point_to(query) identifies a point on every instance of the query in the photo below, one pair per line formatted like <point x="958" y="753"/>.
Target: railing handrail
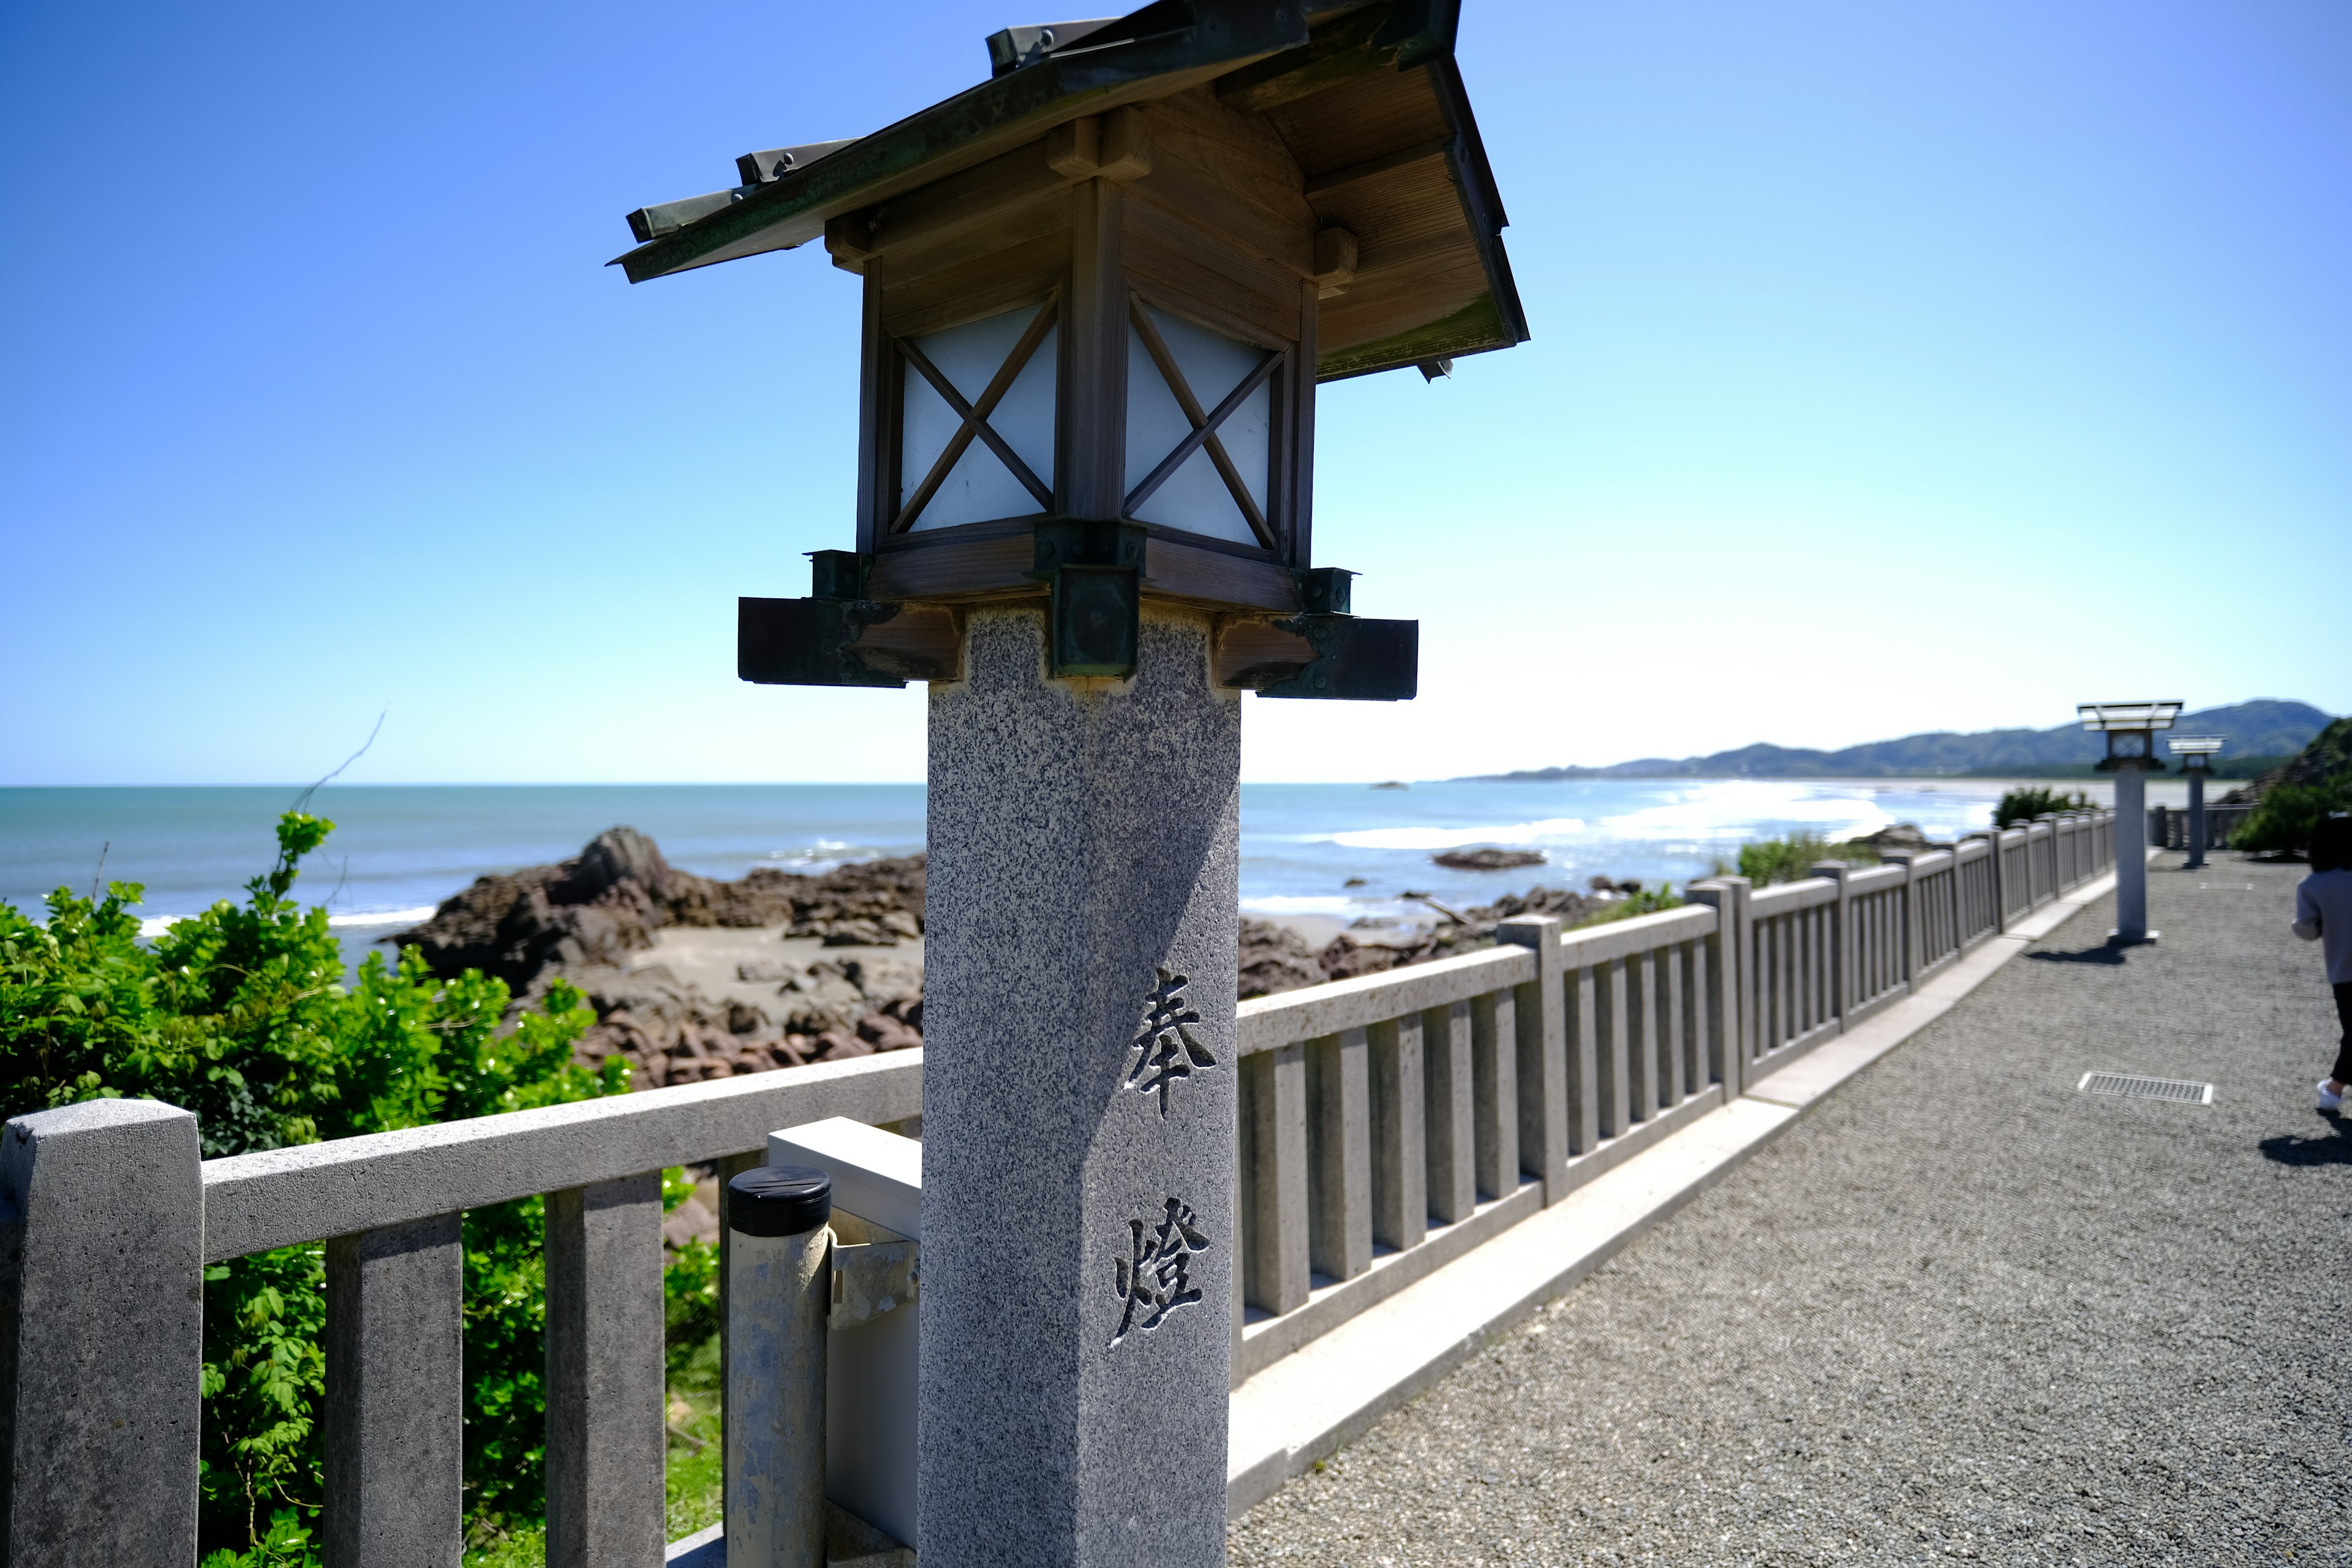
<point x="1637" y="933"/>
<point x="1268" y="1023"/>
<point x="1876" y="879"/>
<point x="311" y="1192"/>
<point x="1784" y="897"/>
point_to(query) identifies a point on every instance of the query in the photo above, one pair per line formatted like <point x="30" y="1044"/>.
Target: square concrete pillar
<point x="1079" y="1091"/>
<point x="101" y="1335"/>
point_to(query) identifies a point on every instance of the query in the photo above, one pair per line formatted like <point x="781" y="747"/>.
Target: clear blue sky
<point x="1895" y="367"/>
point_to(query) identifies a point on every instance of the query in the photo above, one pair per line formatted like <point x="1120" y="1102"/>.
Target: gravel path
<point x="1960" y="1312"/>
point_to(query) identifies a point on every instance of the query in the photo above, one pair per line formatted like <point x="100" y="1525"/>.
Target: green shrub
<point x="1791" y="859"/>
<point x="1642" y="903"/>
<point x="241" y="1016"/>
<point x="2281" y="821"/>
<point x="2025" y="805"/>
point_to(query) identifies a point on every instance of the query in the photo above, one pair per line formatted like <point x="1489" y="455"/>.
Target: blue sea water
<point x="397" y="850"/>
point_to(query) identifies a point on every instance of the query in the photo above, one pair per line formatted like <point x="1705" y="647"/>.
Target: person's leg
<point x="2343" y="1073"/>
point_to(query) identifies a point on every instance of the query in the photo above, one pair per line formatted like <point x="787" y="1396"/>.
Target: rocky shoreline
<point x="694" y="978"/>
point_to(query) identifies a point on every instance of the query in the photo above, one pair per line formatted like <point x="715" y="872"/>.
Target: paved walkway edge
<point x="1311" y="1402"/>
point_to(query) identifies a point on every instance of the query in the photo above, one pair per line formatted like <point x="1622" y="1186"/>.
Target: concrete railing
<point x="1388" y="1125"/>
<point x="2167" y="826"/>
<point x="1391" y="1123"/>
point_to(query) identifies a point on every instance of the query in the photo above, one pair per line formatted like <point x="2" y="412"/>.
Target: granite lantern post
<point x="2130" y="728"/>
<point x="2196" y="754"/>
<point x="1100" y="290"/>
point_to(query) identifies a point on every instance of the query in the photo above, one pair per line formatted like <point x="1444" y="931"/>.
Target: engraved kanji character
<point x="1157" y="1272"/>
<point x="1166" y="1047"/>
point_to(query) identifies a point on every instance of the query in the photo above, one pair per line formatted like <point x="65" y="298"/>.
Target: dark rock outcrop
<point x="1487" y="859"/>
<point x="1276" y="958"/>
<point x="1906" y="838"/>
<point x="673" y="1033"/>
<point x="604" y="903"/>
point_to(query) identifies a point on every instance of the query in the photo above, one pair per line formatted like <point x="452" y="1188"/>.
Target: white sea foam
<point x="1303" y="904"/>
<point x="1550" y="830"/>
<point x="155" y="926"/>
<point x="416" y="916"/>
<point x="1734" y="808"/>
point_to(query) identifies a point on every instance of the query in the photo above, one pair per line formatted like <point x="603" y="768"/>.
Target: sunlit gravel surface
<point x="1960" y="1312"/>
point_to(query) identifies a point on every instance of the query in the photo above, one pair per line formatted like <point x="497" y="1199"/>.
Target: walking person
<point x="2323" y="912"/>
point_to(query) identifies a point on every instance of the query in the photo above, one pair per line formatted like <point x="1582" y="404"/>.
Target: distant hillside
<point x="2264" y="728"/>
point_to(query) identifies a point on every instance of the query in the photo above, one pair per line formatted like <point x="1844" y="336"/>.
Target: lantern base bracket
<point x="846" y="642"/>
<point x="1094" y="576"/>
<point x="1332" y="658"/>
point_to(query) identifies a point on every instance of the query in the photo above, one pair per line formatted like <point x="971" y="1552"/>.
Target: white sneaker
<point x="2327" y="1102"/>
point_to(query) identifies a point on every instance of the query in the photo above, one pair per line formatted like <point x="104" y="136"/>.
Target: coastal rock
<point x="1486" y="859"/>
<point x="606" y="903"/>
<point x="1276" y="958"/>
<point x="1573" y="908"/>
<point x="1906" y="838"/>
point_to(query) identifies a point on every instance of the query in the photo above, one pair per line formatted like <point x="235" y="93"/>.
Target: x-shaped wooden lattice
<point x="1204" y="425"/>
<point x="974" y="415"/>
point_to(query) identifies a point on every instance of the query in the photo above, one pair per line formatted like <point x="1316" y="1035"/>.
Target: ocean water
<point x="397" y="850"/>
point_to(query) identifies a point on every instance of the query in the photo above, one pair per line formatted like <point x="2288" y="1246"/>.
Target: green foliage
<point x="241" y="1016"/>
<point x="2283" y="820"/>
<point x="1791" y="859"/>
<point x="1642" y="903"/>
<point x="2025" y="805"/>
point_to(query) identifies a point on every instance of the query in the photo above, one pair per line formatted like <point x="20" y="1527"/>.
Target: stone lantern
<point x="2196" y="754"/>
<point x="1098" y="292"/>
<point x="2130" y="728"/>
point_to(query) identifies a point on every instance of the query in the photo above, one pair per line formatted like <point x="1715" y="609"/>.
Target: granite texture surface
<point x="604" y="1373"/>
<point x="101" y="1334"/>
<point x="396" y="1424"/>
<point x="1961" y="1312"/>
<point x="1078" y="1105"/>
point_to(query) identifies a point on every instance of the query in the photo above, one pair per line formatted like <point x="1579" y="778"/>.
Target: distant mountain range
<point x="2264" y="729"/>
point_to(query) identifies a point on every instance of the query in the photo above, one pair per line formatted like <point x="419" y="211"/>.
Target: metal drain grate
<point x="2131" y="1086"/>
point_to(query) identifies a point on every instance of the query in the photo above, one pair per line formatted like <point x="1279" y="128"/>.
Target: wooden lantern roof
<point x="1365" y="96"/>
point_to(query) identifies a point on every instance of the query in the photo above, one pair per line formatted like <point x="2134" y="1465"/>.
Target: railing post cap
<point x="1528" y="930"/>
<point x="779" y="1200"/>
<point x="1835" y="870"/>
<point x="91" y="1113"/>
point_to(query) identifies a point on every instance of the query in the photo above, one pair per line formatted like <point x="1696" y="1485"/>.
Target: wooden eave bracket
<point x="1325" y="657"/>
<point x="846" y="642"/>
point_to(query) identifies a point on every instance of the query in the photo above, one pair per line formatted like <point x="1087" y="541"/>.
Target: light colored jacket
<point x="2323" y="912"/>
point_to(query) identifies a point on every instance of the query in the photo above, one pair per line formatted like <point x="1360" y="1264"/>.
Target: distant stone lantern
<point x="1100" y="290"/>
<point x="2196" y="754"/>
<point x="2130" y="728"/>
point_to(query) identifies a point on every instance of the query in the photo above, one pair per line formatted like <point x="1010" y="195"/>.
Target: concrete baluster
<point x="1842" y="948"/>
<point x="1449" y="1114"/>
<point x="1494" y="1066"/>
<point x="1340" y="1155"/>
<point x="1610" y="1030"/>
<point x="1579" y="994"/>
<point x="1700" y="1000"/>
<point x="395" y="1397"/>
<point x="1275" y="1264"/>
<point x="1673" y="1012"/>
<point x="101" y="1335"/>
<point x="1542" y="1020"/>
<point x="604" y="1374"/>
<point x="1723" y="1012"/>
<point x="1399" y="1145"/>
<point x="1647" y="1080"/>
<point x="1907" y="943"/>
